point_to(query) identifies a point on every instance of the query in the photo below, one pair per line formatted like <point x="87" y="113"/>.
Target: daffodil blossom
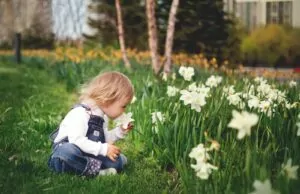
<point x="157" y="116"/>
<point x="213" y="81"/>
<point x="289" y="170"/>
<point x="197" y="100"/>
<point x="202" y="167"/>
<point x="263" y="187"/>
<point x="229" y="90"/>
<point x="133" y="100"/>
<point x="186" y="72"/>
<point x="172" y="91"/>
<point x="243" y="122"/>
<point x="253" y="102"/>
<point x="124" y="120"/>
<point x="165" y="76"/>
<point x="292" y="83"/>
<point x="199" y="153"/>
<point x="174" y="76"/>
<point x="234" y="99"/>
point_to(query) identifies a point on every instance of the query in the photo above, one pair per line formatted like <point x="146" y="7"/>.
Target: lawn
<point x="33" y="102"/>
<point x="199" y="131"/>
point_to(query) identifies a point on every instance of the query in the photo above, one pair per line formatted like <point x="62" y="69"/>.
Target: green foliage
<point x="201" y="26"/>
<point x="268" y="43"/>
<point x="134" y="24"/>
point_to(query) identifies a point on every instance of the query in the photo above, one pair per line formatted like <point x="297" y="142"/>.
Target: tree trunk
<point x="170" y="36"/>
<point x="152" y="34"/>
<point x="121" y="34"/>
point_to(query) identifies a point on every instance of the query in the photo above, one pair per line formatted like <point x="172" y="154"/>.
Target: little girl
<point x="83" y="144"/>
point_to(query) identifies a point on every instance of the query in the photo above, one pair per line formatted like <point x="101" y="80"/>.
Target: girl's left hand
<point x="129" y="128"/>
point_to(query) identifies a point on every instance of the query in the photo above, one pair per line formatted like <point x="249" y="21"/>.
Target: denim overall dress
<point x="67" y="157"/>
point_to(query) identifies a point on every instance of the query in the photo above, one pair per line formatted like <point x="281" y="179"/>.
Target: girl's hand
<point x="112" y="152"/>
<point x="129" y="128"/>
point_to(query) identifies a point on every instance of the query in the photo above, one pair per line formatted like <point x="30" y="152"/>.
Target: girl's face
<point x="116" y="108"/>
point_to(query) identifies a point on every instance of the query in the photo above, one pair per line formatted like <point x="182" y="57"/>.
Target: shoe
<point x="108" y="171"/>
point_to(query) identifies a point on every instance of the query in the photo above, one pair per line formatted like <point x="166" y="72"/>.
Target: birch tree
<point x="121" y="34"/>
<point x="152" y="34"/>
<point x="170" y="36"/>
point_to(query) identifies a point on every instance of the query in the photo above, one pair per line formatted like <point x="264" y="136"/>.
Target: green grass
<point x="32" y="104"/>
<point x="37" y="94"/>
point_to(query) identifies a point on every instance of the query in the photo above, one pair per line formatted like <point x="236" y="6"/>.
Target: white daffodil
<point x="213" y="81"/>
<point x="229" y="90"/>
<point x="124" y="120"/>
<point x="186" y="97"/>
<point x="289" y="170"/>
<point x="263" y="89"/>
<point x="243" y="122"/>
<point x="157" y="116"/>
<point x="172" y="91"/>
<point x="164" y="76"/>
<point x="264" y="105"/>
<point x="133" y="100"/>
<point x="174" y="76"/>
<point x="253" y="102"/>
<point x="202" y="89"/>
<point x="203" y="169"/>
<point x="186" y="72"/>
<point x="292" y="83"/>
<point x="199" y="153"/>
<point x="197" y="100"/>
<point x="260" y="80"/>
<point x="234" y="99"/>
<point x="263" y="187"/>
<point x="193" y="87"/>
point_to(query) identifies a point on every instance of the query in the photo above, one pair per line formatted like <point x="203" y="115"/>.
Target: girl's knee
<point x="121" y="160"/>
<point x="67" y="149"/>
<point x="67" y="158"/>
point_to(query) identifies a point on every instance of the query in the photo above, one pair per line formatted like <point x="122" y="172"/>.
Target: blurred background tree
<point x="201" y="26"/>
<point x="273" y="45"/>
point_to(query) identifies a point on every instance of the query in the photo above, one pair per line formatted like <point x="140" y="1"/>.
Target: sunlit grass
<point x="240" y="162"/>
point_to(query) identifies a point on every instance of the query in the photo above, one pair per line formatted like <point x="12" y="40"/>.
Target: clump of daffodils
<point x="195" y="96"/>
<point x="261" y="97"/>
<point x="202" y="167"/>
<point x="186" y="72"/>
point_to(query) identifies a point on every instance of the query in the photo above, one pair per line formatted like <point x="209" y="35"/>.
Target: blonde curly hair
<point x="107" y="87"/>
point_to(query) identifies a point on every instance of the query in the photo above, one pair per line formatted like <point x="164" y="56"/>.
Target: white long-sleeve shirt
<point x="75" y="127"/>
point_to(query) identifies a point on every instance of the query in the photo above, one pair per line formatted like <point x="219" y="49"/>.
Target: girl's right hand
<point x="112" y="152"/>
